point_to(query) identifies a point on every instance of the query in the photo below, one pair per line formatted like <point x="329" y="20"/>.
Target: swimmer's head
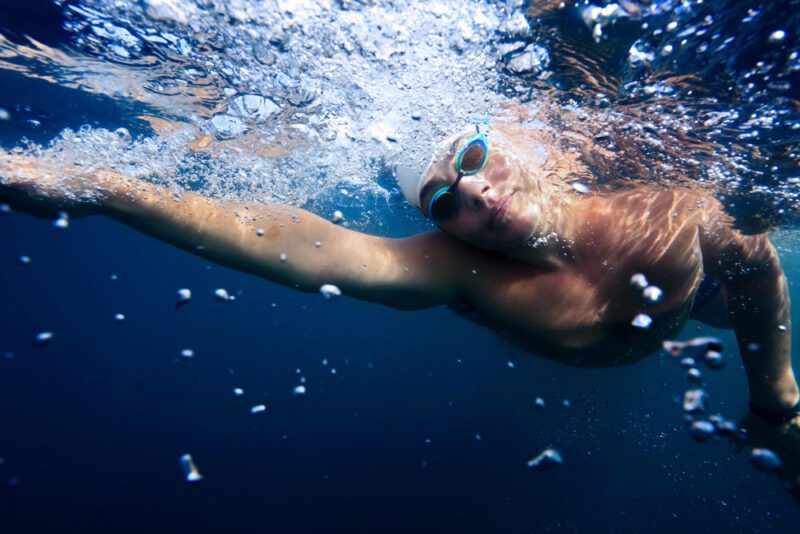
<point x="499" y="205"/>
<point x="411" y="180"/>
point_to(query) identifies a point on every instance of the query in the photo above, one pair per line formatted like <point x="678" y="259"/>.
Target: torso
<point x="579" y="309"/>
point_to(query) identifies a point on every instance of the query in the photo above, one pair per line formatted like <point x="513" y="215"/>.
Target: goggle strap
<point x="452" y="188"/>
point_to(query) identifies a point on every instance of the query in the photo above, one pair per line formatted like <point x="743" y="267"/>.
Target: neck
<point x="552" y="240"/>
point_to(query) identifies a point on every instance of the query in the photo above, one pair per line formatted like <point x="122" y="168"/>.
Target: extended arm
<point x="405" y="273"/>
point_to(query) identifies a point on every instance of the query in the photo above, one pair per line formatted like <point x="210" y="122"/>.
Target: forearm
<point x="227" y="234"/>
<point x="760" y="312"/>
<point x="759" y="308"/>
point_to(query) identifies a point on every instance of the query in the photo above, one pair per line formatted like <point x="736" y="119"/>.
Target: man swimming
<point x="520" y="249"/>
<point x="537" y="260"/>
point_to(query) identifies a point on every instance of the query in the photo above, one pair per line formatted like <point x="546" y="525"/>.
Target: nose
<point x="474" y="191"/>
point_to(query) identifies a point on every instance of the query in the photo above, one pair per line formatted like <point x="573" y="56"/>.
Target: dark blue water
<point x="423" y="427"/>
<point x="92" y="425"/>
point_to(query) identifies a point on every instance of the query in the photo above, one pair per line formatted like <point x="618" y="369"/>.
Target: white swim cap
<point x="410" y="178"/>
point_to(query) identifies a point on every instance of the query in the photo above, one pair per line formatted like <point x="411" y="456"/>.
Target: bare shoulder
<point x="724" y="246"/>
<point x="419" y="271"/>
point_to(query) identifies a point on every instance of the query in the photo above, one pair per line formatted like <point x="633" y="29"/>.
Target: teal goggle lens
<point x="444" y="204"/>
<point x="473" y="157"/>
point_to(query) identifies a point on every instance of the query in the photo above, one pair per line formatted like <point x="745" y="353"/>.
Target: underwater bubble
<point x="724" y="426"/>
<point x="123" y="135"/>
<point x="186" y="354"/>
<point x="688" y="362"/>
<point x="224" y="126"/>
<point x="638" y="57"/>
<point x="253" y="107"/>
<point x="566" y="403"/>
<point x="694" y="375"/>
<point x="119" y="318"/>
<point x="714" y="360"/>
<point x="695" y="401"/>
<point x="639" y="281"/>
<point x="701" y="430"/>
<point x="62" y="223"/>
<point x="190" y="471"/>
<point x="221" y="294"/>
<point x="539" y="402"/>
<point x="24" y="260"/>
<point x="238" y="392"/>
<point x="652" y="295"/>
<point x="258" y="408"/>
<point x="4" y="115"/>
<point x="283" y="258"/>
<point x="303" y="96"/>
<point x="510" y="364"/>
<point x="5" y="209"/>
<point x="765" y="459"/>
<point x="580" y="187"/>
<point x="642" y="321"/>
<point x="337" y="216"/>
<point x="546" y="459"/>
<point x="114" y="277"/>
<point x="329" y="292"/>
<point x="299" y="390"/>
<point x="182" y="297"/>
<point x="43" y="338"/>
<point x="754" y="347"/>
<point x="782" y="327"/>
<point x="777" y="37"/>
<point x="531" y="61"/>
<point x="260" y="232"/>
<point x="694" y="348"/>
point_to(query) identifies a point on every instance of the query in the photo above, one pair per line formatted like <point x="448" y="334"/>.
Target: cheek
<point x="498" y="169"/>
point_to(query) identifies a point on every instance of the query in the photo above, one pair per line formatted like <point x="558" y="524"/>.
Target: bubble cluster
<point x="291" y="99"/>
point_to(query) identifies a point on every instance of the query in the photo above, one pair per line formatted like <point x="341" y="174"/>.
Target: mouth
<point x="500" y="210"/>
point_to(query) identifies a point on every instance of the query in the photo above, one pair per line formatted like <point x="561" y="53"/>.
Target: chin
<point x="504" y="239"/>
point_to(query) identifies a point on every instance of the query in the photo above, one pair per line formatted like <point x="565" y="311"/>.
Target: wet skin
<point x="537" y="261"/>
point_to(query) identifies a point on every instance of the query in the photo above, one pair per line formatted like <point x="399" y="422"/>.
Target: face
<point x="496" y="205"/>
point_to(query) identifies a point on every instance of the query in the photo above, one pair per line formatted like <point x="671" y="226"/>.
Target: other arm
<point x="758" y="306"/>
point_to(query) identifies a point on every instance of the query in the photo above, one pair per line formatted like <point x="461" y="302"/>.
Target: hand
<point x="783" y="440"/>
<point x="42" y="188"/>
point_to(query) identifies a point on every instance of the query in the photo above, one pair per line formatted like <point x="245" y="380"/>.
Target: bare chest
<point x="585" y="311"/>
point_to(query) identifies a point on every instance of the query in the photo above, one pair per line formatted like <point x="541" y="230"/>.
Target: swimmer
<point x="517" y="249"/>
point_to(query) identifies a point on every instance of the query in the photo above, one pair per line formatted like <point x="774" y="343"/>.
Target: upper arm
<point x="748" y="268"/>
<point x="414" y="272"/>
<point x="299" y="249"/>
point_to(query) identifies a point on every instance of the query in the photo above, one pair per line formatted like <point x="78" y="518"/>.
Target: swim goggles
<point x="471" y="160"/>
